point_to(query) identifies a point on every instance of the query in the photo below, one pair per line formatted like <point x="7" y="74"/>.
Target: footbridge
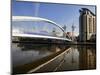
<point x="59" y="36"/>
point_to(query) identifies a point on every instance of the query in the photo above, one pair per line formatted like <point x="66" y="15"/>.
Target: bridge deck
<point x="39" y="36"/>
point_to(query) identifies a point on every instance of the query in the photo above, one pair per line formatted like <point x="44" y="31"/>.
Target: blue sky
<point x="63" y="14"/>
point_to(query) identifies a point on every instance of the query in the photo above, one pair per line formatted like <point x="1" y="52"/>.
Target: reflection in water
<point x="74" y="57"/>
<point x="79" y="57"/>
<point x="25" y="53"/>
<point x="87" y="57"/>
<point x="70" y="60"/>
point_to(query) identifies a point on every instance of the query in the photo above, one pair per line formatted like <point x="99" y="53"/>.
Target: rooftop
<point x="85" y="9"/>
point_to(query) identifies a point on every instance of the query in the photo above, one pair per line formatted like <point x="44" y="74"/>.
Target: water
<point x="71" y="58"/>
<point x="76" y="58"/>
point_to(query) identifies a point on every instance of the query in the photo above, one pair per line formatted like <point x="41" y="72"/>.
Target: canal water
<point x="60" y="57"/>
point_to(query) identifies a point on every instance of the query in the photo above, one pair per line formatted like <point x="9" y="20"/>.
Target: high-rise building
<point x="87" y="24"/>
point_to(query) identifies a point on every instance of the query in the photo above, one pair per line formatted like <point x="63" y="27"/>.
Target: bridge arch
<point x="28" y="18"/>
<point x="38" y="19"/>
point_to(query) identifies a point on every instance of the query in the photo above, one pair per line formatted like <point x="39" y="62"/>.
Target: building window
<point x="94" y="25"/>
<point x="90" y="25"/>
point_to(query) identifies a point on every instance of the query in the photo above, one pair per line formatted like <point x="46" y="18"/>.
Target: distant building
<point x="70" y="35"/>
<point x="87" y="24"/>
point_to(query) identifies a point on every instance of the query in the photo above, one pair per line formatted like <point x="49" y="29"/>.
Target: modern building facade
<point x="87" y="25"/>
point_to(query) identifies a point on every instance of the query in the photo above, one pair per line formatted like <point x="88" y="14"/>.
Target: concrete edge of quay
<point x="33" y="66"/>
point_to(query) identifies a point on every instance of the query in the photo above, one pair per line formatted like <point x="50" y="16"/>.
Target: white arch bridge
<point x="37" y="19"/>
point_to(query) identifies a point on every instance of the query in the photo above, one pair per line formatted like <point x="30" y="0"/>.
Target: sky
<point x="63" y="14"/>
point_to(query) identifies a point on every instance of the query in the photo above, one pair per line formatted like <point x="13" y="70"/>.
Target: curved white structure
<point x="36" y="19"/>
<point x="28" y="18"/>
